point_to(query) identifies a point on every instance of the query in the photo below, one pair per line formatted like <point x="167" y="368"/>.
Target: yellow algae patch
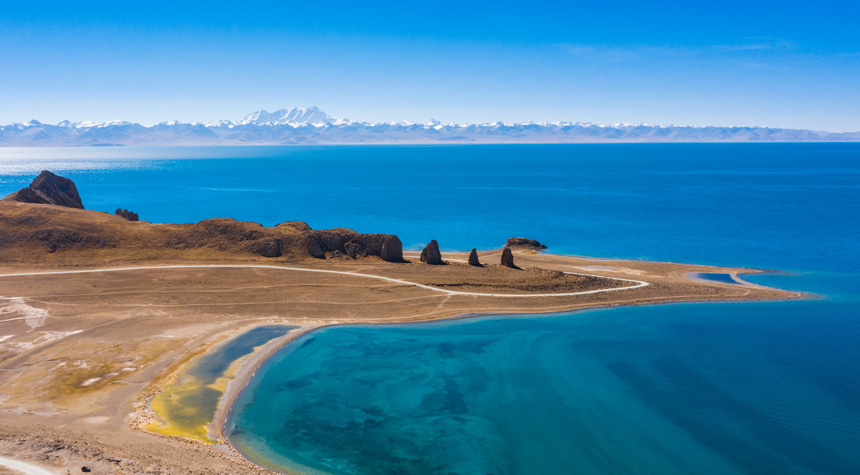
<point x="187" y="405"/>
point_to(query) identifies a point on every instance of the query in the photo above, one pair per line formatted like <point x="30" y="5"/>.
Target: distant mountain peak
<point x="292" y="116"/>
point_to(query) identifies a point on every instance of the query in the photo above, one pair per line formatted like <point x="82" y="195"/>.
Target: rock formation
<point x="49" y="189"/>
<point x="431" y="254"/>
<point x="127" y="214"/>
<point x="473" y="258"/>
<point x="508" y="258"/>
<point x="523" y="242"/>
<point x="350" y="243"/>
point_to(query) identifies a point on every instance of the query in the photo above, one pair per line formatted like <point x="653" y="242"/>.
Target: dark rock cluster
<point x="131" y="216"/>
<point x="49" y="189"/>
<point x="431" y="254"/>
<point x="523" y="242"/>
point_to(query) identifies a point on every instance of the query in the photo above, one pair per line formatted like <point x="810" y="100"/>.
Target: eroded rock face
<point x="473" y="258"/>
<point x="266" y="248"/>
<point x="431" y="254"/>
<point x="353" y="244"/>
<point x="131" y="216"/>
<point x="49" y="189"/>
<point x="524" y="242"/>
<point x="392" y="249"/>
<point x="508" y="258"/>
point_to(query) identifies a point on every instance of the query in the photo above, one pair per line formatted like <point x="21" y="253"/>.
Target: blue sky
<point x="779" y="64"/>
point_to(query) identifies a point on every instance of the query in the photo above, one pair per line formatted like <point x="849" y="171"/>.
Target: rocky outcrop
<point x="49" y="189"/>
<point x="473" y="258"/>
<point x="508" y="258"/>
<point x="350" y="243"/>
<point x="431" y="254"/>
<point x="27" y="230"/>
<point x="124" y="213"/>
<point x="526" y="243"/>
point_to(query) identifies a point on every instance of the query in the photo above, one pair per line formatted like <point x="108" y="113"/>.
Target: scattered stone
<point x="431" y="254"/>
<point x="131" y="216"/>
<point x="473" y="258"/>
<point x="508" y="258"/>
<point x="49" y="189"/>
<point x="524" y="242"/>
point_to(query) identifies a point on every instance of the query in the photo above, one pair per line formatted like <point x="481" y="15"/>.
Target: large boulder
<point x="524" y="242"/>
<point x="431" y="254"/>
<point x="473" y="258"/>
<point x="49" y="189"/>
<point x="508" y="258"/>
<point x="392" y="249"/>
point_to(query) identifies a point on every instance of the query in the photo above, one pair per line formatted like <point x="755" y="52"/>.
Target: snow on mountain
<point x="293" y="116"/>
<point x="310" y="126"/>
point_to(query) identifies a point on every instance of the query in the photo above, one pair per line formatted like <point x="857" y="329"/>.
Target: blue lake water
<point x="697" y="388"/>
<point x="716" y="277"/>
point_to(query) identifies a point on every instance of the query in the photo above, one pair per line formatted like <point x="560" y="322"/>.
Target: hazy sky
<point x="779" y="64"/>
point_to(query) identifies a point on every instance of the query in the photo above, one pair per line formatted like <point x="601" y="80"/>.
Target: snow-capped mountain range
<point x="310" y="126"/>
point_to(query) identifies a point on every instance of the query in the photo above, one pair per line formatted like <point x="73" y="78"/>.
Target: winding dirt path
<point x="636" y="283"/>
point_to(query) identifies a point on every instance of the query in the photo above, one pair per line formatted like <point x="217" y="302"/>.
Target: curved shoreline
<point x="226" y="404"/>
<point x="248" y="369"/>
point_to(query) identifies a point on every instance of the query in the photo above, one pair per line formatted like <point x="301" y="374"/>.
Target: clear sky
<point x="771" y="63"/>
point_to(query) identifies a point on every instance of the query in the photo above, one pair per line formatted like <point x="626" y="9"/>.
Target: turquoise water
<point x="716" y="388"/>
<point x="705" y="388"/>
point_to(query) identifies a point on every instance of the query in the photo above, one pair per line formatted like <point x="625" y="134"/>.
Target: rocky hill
<point x="46" y="221"/>
<point x="50" y="189"/>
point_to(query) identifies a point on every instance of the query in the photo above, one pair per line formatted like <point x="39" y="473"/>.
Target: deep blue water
<point x="704" y="388"/>
<point x="717" y="277"/>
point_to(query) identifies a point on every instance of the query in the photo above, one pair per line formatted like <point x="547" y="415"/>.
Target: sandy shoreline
<point x="121" y="335"/>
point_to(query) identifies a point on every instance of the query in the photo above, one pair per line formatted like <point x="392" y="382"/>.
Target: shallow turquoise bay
<point x="669" y="389"/>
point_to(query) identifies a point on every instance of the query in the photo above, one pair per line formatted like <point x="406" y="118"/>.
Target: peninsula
<point x="102" y="315"/>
